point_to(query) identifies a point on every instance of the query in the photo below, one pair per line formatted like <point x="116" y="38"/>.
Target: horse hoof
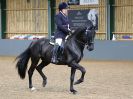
<point x="44" y="83"/>
<point x="78" y="82"/>
<point x="33" y="89"/>
<point x="74" y="92"/>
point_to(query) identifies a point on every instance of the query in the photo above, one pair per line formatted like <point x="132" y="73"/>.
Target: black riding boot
<point x="60" y="53"/>
<point x="55" y="54"/>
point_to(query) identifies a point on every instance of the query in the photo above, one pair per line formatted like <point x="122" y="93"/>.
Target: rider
<point x="62" y="23"/>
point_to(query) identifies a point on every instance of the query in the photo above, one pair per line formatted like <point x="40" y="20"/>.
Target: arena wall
<point x="104" y="49"/>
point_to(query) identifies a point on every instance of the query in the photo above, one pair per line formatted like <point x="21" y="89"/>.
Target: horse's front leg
<point x="72" y="80"/>
<point x="83" y="71"/>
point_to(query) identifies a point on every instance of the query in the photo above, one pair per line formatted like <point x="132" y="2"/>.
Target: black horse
<point x="42" y="49"/>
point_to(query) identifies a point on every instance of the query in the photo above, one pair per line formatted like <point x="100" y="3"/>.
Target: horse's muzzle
<point x="90" y="47"/>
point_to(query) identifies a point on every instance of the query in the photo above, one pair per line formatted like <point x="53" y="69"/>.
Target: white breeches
<point x="58" y="41"/>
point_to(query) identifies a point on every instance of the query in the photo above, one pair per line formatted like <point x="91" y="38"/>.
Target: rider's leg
<point x="60" y="51"/>
<point x="58" y="43"/>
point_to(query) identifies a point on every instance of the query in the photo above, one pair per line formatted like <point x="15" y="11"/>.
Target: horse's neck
<point x="76" y="44"/>
<point x="80" y="44"/>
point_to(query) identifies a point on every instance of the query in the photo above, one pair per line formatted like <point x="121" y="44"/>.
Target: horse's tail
<point x="22" y="61"/>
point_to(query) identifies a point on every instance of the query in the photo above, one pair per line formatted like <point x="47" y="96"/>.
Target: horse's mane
<point x="78" y="31"/>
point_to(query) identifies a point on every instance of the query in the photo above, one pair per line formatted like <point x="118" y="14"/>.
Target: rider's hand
<point x="70" y="31"/>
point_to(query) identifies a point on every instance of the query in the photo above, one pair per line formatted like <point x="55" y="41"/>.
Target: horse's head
<point x="85" y="36"/>
<point x="90" y="35"/>
<point x="92" y="16"/>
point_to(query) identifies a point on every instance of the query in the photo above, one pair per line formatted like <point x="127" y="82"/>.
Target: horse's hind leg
<point x="34" y="62"/>
<point x="39" y="69"/>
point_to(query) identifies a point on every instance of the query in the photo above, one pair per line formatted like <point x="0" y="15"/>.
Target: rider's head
<point x="63" y="6"/>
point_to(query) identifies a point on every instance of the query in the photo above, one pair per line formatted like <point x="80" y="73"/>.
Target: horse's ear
<point x="89" y="24"/>
<point x="83" y="28"/>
